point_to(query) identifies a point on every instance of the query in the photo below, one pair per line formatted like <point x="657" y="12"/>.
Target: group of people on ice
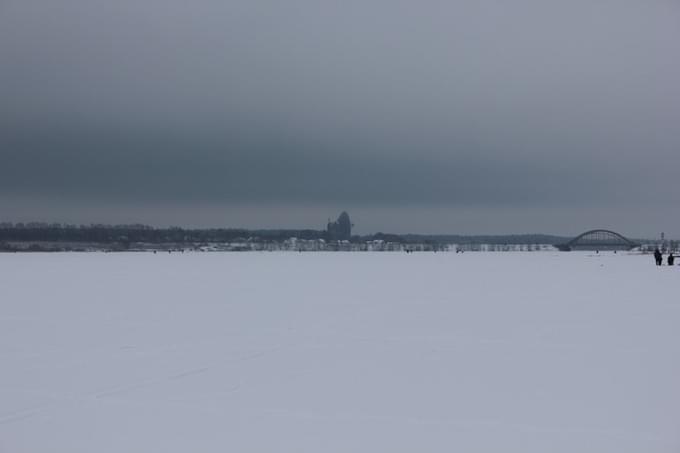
<point x="658" y="257"/>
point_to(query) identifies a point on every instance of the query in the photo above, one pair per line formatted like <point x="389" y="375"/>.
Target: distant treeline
<point x="137" y="233"/>
<point x="488" y="239"/>
<point x="55" y="232"/>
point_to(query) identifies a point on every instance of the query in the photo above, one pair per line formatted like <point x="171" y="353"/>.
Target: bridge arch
<point x="599" y="239"/>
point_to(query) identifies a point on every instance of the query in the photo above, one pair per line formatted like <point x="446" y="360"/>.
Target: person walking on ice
<point x="658" y="257"/>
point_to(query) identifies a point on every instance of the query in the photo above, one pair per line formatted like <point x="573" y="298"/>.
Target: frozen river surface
<point x="339" y="352"/>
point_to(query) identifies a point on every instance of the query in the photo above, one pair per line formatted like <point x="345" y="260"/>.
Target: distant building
<point x="341" y="229"/>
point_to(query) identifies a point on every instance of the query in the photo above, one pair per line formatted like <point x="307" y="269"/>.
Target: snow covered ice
<point x="339" y="352"/>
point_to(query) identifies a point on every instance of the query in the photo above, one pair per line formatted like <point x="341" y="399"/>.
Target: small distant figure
<point x="671" y="259"/>
<point x="658" y="257"/>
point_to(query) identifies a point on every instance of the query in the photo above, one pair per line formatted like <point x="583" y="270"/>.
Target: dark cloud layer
<point x="498" y="114"/>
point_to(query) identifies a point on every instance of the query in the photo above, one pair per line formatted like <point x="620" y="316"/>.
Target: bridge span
<point x="598" y="240"/>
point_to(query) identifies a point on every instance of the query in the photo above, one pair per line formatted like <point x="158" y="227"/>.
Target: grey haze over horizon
<point x="459" y="116"/>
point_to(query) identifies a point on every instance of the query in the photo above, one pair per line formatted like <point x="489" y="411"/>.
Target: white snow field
<point x="339" y="352"/>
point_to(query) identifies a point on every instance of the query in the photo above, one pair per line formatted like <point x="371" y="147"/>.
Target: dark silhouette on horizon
<point x="341" y="229"/>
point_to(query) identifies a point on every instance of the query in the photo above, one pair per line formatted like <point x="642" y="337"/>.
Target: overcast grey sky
<point x="458" y="116"/>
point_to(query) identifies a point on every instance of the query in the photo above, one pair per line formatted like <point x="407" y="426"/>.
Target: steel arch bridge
<point x="598" y="240"/>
